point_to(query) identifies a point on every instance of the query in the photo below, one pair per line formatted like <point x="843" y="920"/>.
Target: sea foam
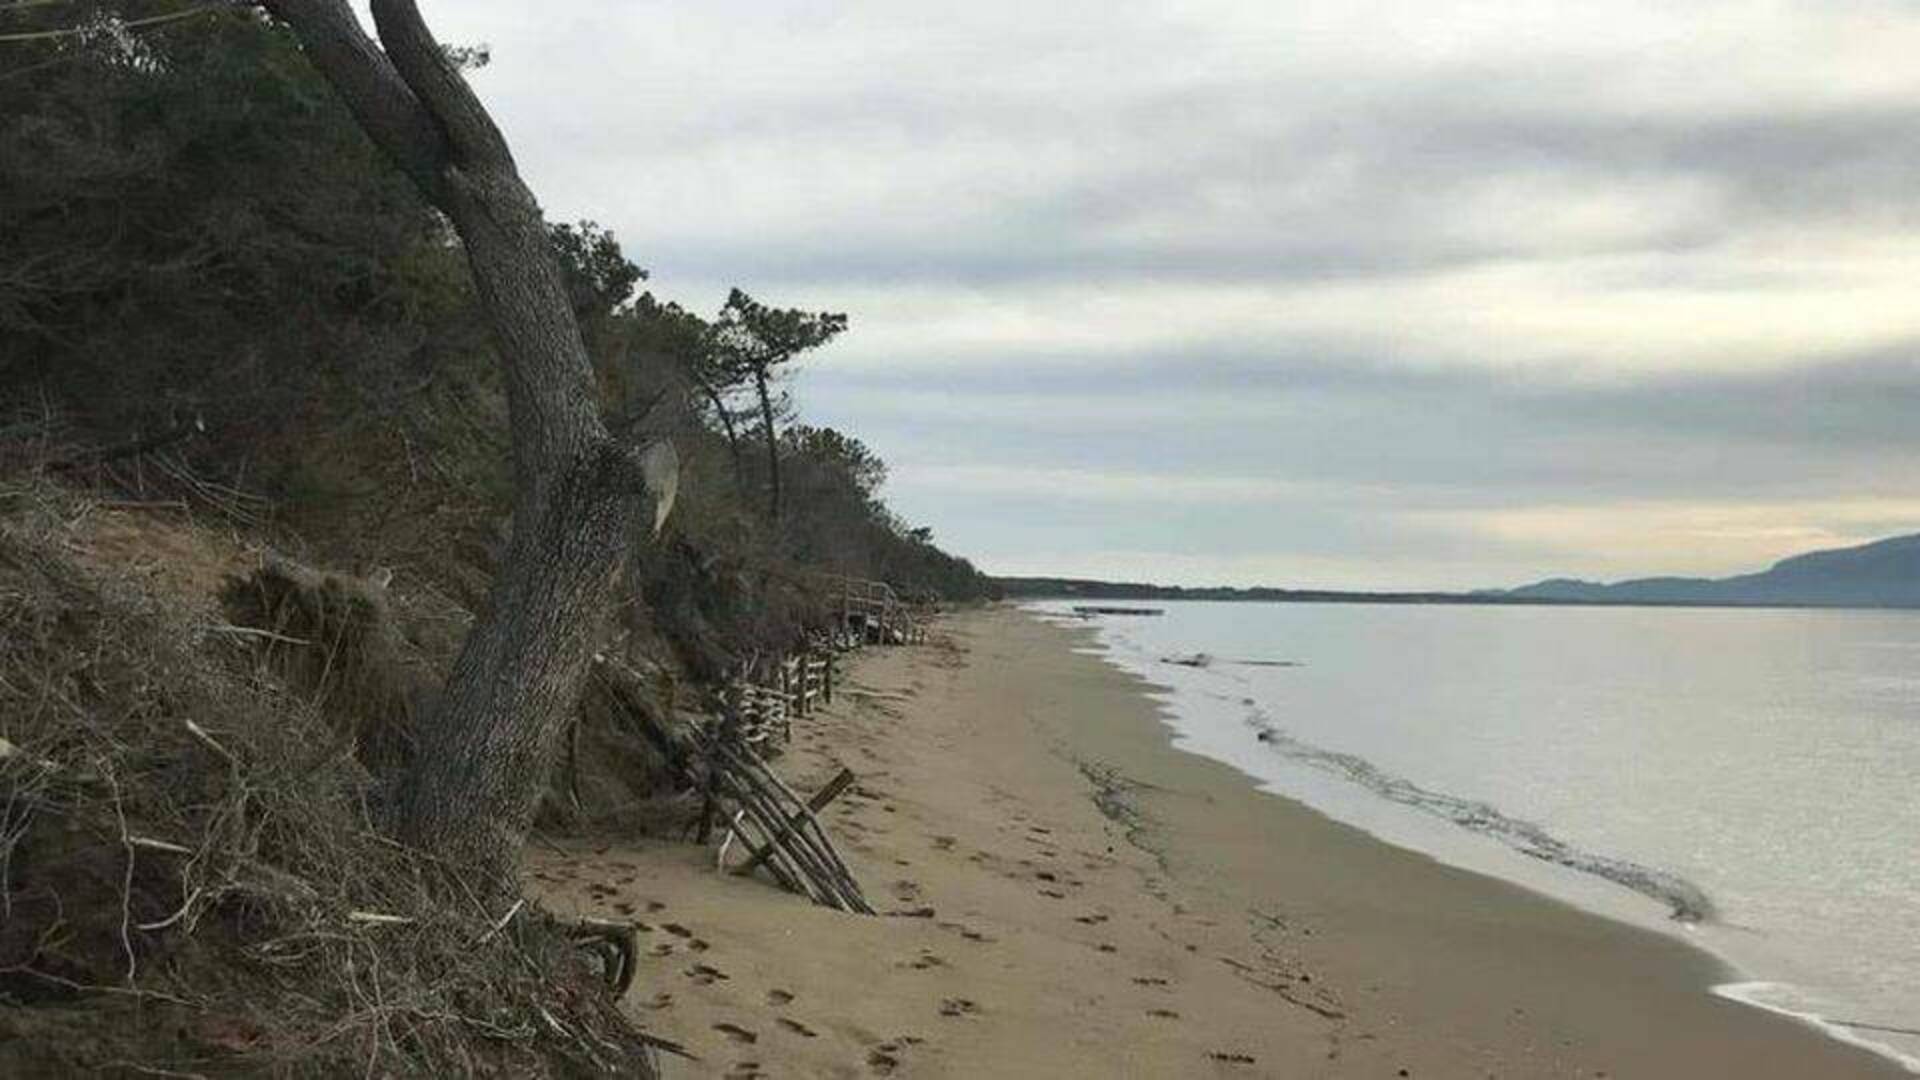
<point x="1686" y="901"/>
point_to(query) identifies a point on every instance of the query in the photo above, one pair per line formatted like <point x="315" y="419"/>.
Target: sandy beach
<point x="1064" y="894"/>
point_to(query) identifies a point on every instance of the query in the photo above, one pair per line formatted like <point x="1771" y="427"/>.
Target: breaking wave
<point x="1685" y="901"/>
<point x="1761" y="995"/>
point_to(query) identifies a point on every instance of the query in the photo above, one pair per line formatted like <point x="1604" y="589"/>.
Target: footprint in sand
<point x="676" y="929"/>
<point x="655" y="905"/>
<point x="662" y="949"/>
<point x="797" y="1027"/>
<point x="778" y="997"/>
<point x="1163" y="1014"/>
<point x="702" y="975"/>
<point x="924" y="961"/>
<point x="1094" y="919"/>
<point x="885" y="1058"/>
<point x="1103" y="947"/>
<point x="944" y="843"/>
<point x="1148" y="980"/>
<point x="1054" y="893"/>
<point x="1230" y="1059"/>
<point x="658" y="1001"/>
<point x="736" y="1033"/>
<point x="958" y="1007"/>
<point x="745" y="1070"/>
<point x="697" y="945"/>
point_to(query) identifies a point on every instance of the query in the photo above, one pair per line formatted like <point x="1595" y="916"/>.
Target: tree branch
<point x="475" y="139"/>
<point x="422" y="112"/>
<point x="367" y="81"/>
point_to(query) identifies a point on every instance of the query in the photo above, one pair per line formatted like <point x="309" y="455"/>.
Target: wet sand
<point x="1071" y="896"/>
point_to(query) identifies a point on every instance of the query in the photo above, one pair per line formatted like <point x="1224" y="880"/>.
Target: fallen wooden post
<point x="792" y="844"/>
<point x="729" y="729"/>
<point x="811" y="841"/>
<point x="806" y="855"/>
<point x="819" y="802"/>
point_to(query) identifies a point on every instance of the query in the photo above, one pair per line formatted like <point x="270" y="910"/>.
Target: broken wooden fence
<point x="766" y="704"/>
<point x="781" y="831"/>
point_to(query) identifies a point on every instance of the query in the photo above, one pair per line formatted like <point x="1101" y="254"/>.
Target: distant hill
<point x="1885" y="573"/>
<point x="1091" y="589"/>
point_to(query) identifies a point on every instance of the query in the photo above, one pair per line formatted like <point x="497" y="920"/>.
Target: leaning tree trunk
<point x="733" y="436"/>
<point x="773" y="443"/>
<point x="579" y="494"/>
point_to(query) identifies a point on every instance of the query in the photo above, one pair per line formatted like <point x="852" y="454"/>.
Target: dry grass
<point x="191" y="878"/>
<point x="333" y="638"/>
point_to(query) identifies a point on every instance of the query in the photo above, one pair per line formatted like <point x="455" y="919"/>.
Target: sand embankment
<point x="1077" y="898"/>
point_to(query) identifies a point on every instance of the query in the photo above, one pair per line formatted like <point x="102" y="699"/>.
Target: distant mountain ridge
<point x="1884" y="573"/>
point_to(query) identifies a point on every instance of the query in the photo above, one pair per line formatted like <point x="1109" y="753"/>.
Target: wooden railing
<point x="766" y="702"/>
<point x="872" y="612"/>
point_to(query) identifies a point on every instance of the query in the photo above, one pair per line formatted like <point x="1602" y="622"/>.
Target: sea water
<point x="1747" y="778"/>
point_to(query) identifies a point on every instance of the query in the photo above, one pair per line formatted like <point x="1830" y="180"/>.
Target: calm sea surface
<point x="1755" y="771"/>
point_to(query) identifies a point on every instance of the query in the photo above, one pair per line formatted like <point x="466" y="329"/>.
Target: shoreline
<point x="1552" y="879"/>
<point x="1072" y="894"/>
<point x="1480" y="838"/>
<point x="1435" y="910"/>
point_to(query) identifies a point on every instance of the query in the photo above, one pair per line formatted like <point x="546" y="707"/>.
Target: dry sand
<point x="1076" y="898"/>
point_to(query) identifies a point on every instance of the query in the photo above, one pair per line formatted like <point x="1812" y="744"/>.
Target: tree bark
<point x="579" y="495"/>
<point x="733" y="436"/>
<point x="773" y="443"/>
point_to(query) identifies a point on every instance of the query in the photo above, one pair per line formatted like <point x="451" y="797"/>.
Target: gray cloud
<point x="1229" y="181"/>
<point x="1864" y="404"/>
<point x="1388" y="294"/>
<point x="1354" y="455"/>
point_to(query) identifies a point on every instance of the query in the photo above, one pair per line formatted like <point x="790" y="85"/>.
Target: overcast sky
<point x="1307" y="293"/>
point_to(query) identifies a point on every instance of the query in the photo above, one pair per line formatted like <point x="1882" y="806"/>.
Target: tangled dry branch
<point x="187" y="845"/>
